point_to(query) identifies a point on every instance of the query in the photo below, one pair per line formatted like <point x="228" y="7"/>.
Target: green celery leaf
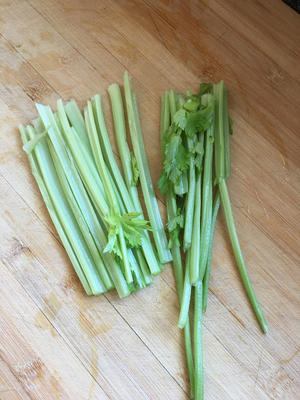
<point x="199" y="121"/>
<point x="180" y="118"/>
<point x="205" y="88"/>
<point x="192" y="104"/>
<point x="163" y="183"/>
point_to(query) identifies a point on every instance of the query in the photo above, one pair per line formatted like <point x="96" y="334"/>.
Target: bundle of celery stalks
<point x="97" y="212"/>
<point x="95" y="208"/>
<point x="195" y="131"/>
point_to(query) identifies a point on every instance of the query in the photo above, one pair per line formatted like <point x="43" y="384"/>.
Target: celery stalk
<point x="145" y="177"/>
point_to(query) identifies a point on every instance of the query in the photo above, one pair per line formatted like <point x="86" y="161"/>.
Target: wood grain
<point x="58" y="344"/>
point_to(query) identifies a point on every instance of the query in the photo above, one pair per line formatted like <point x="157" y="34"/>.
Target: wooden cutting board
<point x="55" y="342"/>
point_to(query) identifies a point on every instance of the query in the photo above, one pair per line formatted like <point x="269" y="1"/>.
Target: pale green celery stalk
<point x="108" y="153"/>
<point x="198" y="354"/>
<point x="120" y="201"/>
<point x="226" y="135"/>
<point x="206" y="215"/>
<point x="133" y="254"/>
<point x="186" y="293"/>
<point x="54" y="216"/>
<point x="175" y="250"/>
<point x="90" y="177"/>
<point x="190" y="203"/>
<point x="221" y="172"/>
<point x="77" y="121"/>
<point x="85" y="163"/>
<point x="215" y="211"/>
<point x="195" y="245"/>
<point x="183" y="291"/>
<point x="182" y="187"/>
<point x="131" y="199"/>
<point x="164" y="118"/>
<point x="144" y="267"/>
<point x="103" y="172"/>
<point x="172" y="104"/>
<point x="65" y="214"/>
<point x="81" y="218"/>
<point x="238" y="255"/>
<point x="145" y="177"/>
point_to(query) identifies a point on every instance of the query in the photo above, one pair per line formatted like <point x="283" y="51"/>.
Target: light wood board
<point x="55" y="342"/>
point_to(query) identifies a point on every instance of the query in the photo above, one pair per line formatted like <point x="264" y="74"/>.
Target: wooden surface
<point x="55" y="343"/>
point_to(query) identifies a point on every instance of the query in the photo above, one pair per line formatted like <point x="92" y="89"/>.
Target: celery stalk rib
<point x="239" y="257"/>
<point x="145" y="177"/>
<point x="130" y="189"/>
<point x="216" y="206"/>
<point x="198" y="342"/>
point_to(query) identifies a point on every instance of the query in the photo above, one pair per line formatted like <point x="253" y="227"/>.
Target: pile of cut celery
<point x="195" y="132"/>
<point x="95" y="207"/>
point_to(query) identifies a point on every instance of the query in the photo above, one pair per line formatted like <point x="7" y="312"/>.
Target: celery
<point x="222" y="172"/>
<point x="145" y="177"/>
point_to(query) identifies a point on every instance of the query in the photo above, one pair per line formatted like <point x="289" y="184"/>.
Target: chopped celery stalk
<point x="219" y="132"/>
<point x="221" y="173"/>
<point x="120" y="131"/>
<point x="226" y="135"/>
<point x="103" y="172"/>
<point x="190" y="203"/>
<point x="198" y="354"/>
<point x="145" y="177"/>
<point x="186" y="293"/>
<point x="239" y="257"/>
<point x="206" y="214"/>
<point x="216" y="206"/>
<point x="195" y="245"/>
<point x="77" y="121"/>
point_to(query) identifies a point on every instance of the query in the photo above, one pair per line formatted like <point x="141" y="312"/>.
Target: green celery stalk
<point x="77" y="121"/>
<point x="226" y="134"/>
<point x="103" y="172"/>
<point x="108" y="153"/>
<point x="195" y="245"/>
<point x="190" y="203"/>
<point x="164" y="117"/>
<point x="186" y="293"/>
<point x="54" y="216"/>
<point x="198" y="354"/>
<point x="221" y="175"/>
<point x="145" y="177"/>
<point x="134" y="202"/>
<point x="216" y="206"/>
<point x="238" y="255"/>
<point x="206" y="216"/>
